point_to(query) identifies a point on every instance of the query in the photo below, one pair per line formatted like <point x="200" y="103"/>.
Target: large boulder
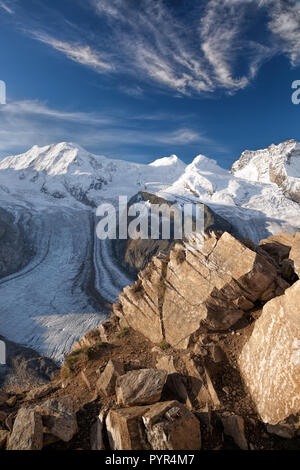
<point x="171" y="426"/>
<point x="163" y="426"/>
<point x="212" y="286"/>
<point x="139" y="387"/>
<point x="269" y="361"/>
<point x="27" y="433"/>
<point x="59" y="418"/>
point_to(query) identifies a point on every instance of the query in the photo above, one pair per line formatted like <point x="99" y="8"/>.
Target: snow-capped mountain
<point x="53" y="191"/>
<point x="69" y="173"/>
<point x="279" y="164"/>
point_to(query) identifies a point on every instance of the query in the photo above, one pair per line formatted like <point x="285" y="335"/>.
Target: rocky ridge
<point x="202" y="352"/>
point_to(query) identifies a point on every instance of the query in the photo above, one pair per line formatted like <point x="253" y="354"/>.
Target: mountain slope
<point x="66" y="172"/>
<point x="278" y="164"/>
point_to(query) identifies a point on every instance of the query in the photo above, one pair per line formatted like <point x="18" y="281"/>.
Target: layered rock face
<point x="212" y="287"/>
<point x="270" y="360"/>
<point x="134" y="255"/>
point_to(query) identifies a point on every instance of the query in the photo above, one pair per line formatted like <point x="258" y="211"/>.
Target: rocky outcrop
<point x="238" y="380"/>
<point x="269" y="362"/>
<point x="212" y="287"/>
<point x="284" y="249"/>
<point x="134" y="255"/>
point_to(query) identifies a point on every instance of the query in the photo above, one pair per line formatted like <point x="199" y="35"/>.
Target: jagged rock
<point x="140" y="387"/>
<point x="11" y="401"/>
<point x="234" y="427"/>
<point x="96" y="434"/>
<point x="59" y="417"/>
<point x="3" y="397"/>
<point x="126" y="430"/>
<point x="3" y="438"/>
<point x="278" y="246"/>
<point x="27" y="433"/>
<point x="107" y="381"/>
<point x="39" y="392"/>
<point x="295" y="253"/>
<point x="269" y="361"/>
<point x="282" y="430"/>
<point x="213" y="287"/>
<point x="171" y="426"/>
<point x="104" y="331"/>
<point x="164" y="426"/>
<point x="204" y="288"/>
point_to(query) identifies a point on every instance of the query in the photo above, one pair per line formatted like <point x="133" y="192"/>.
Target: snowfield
<point x="63" y="291"/>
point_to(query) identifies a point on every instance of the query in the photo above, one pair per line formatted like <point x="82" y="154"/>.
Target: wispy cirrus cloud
<point x="6" y="8"/>
<point x="200" y="48"/>
<point x="285" y="24"/>
<point x="25" y="123"/>
<point x="82" y="54"/>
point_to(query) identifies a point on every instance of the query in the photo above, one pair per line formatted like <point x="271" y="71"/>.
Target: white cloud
<point x="6" y="8"/>
<point x="285" y="23"/>
<point x="83" y="54"/>
<point x="211" y="46"/>
<point x="196" y="54"/>
<point x="26" y="123"/>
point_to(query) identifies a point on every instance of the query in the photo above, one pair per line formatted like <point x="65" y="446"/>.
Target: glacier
<point x="72" y="278"/>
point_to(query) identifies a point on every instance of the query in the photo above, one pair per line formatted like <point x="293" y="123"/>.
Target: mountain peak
<point x="277" y="164"/>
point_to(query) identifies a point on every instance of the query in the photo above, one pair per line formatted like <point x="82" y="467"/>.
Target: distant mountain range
<point x="63" y="287"/>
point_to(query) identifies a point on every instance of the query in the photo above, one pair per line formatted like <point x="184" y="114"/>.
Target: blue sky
<point x="140" y="79"/>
